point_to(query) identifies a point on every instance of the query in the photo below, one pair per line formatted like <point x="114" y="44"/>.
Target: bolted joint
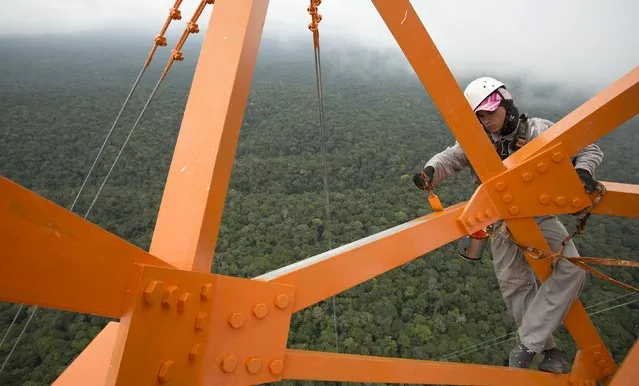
<point x="175" y="14"/>
<point x="193" y="27"/>
<point x="170" y="296"/>
<point x="160" y="41"/>
<point x="177" y="55"/>
<point x="153" y="292"/>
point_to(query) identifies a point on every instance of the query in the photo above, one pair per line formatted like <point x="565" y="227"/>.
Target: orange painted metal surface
<point x="309" y="365"/>
<point x="354" y="263"/>
<point x="619" y="200"/>
<point x="628" y="373"/>
<point x="54" y="258"/>
<point x="423" y="55"/>
<point x="193" y="202"/>
<point x="590" y="366"/>
<point x="91" y="366"/>
<point x="193" y="328"/>
<point x="528" y="190"/>
<point x="590" y="121"/>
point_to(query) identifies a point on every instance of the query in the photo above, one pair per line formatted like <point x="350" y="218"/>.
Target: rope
<point x="15" y="317"/>
<point x="315" y="19"/>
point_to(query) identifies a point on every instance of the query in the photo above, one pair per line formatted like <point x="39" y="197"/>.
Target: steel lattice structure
<point x="180" y="324"/>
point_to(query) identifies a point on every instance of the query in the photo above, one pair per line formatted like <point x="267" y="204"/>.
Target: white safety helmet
<point x="479" y="89"/>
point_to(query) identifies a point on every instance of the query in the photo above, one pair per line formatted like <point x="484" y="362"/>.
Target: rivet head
<point x="183" y="302"/>
<point x="276" y="366"/>
<point x="170" y="296"/>
<point x="560" y="201"/>
<point x="229" y="363"/>
<point x="542" y="167"/>
<point x="200" y="321"/>
<point x="254" y="365"/>
<point x="544" y="199"/>
<point x="260" y="310"/>
<point x="153" y="292"/>
<point x="236" y="320"/>
<point x="527" y="177"/>
<point x="206" y="292"/>
<point x="165" y="371"/>
<point x="514" y="210"/>
<point x="557" y="157"/>
<point x="576" y="202"/>
<point x="507" y="198"/>
<point x="281" y="301"/>
<point x="194" y="352"/>
<point x="479" y="216"/>
<point x="500" y="186"/>
<point x="488" y="213"/>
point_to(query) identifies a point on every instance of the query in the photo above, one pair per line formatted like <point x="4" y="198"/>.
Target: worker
<point x="537" y="311"/>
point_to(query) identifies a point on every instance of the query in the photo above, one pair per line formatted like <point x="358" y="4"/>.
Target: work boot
<point x="553" y="362"/>
<point x="521" y="356"/>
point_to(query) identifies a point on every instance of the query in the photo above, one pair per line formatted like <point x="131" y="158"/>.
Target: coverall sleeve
<point x="448" y="162"/>
<point x="589" y="158"/>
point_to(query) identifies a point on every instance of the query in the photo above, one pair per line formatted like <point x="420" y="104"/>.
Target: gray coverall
<point x="537" y="311"/>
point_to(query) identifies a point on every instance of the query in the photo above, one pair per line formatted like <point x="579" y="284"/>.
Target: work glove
<point x="590" y="185"/>
<point x="424" y="178"/>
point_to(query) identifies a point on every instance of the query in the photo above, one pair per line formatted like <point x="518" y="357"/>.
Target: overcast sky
<point x="553" y="39"/>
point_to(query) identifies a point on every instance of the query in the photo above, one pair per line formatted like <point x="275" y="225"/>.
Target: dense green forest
<point x="59" y="97"/>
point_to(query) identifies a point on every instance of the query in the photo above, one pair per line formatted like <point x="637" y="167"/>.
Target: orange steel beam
<point x="70" y="263"/>
<point x="628" y="372"/>
<point x="94" y="360"/>
<point x="412" y="37"/>
<point x="620" y="200"/>
<point x="601" y="114"/>
<point x="309" y="365"/>
<point x="423" y="55"/>
<point x="193" y="202"/>
<point x="354" y="263"/>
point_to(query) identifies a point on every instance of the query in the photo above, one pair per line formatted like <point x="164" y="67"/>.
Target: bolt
<point x="557" y="157"/>
<point x="596" y="354"/>
<point x="236" y="320"/>
<point x="601" y="362"/>
<point x="276" y="366"/>
<point x="183" y="301"/>
<point x="607" y="372"/>
<point x="469" y="221"/>
<point x="229" y="363"/>
<point x="260" y="310"/>
<point x="165" y="371"/>
<point x="542" y="167"/>
<point x="194" y="352"/>
<point x="507" y="198"/>
<point x="200" y="321"/>
<point x="152" y="292"/>
<point x="576" y="202"/>
<point x="527" y="177"/>
<point x="544" y="199"/>
<point x="170" y="296"/>
<point x="479" y="216"/>
<point x="514" y="210"/>
<point x="560" y="201"/>
<point x="207" y="290"/>
<point x="500" y="186"/>
<point x="281" y="301"/>
<point x="254" y="365"/>
<point x="488" y="213"/>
